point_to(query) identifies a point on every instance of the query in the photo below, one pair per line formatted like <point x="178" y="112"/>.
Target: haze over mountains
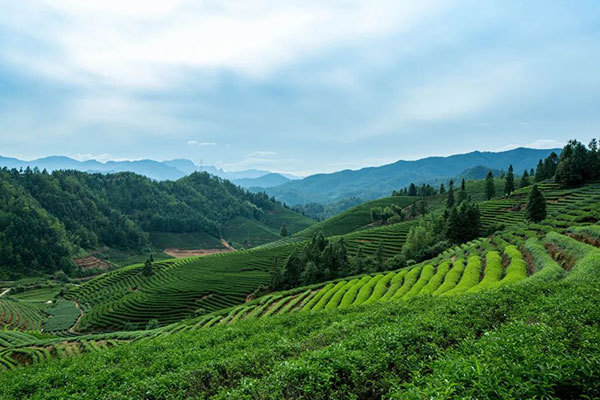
<point x="366" y="183"/>
<point x="158" y="170"/>
<point x="373" y="182"/>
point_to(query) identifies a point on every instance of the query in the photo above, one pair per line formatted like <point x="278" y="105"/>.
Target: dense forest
<point x="45" y="218"/>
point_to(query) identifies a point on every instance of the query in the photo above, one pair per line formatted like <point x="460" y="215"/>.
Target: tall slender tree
<point x="509" y="182"/>
<point x="490" y="188"/>
<point x="450" y="200"/>
<point x="524" y="179"/>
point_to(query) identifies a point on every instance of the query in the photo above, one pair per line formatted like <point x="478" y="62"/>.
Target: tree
<point x="442" y="188"/>
<point x="490" y="188"/>
<point x="462" y="195"/>
<point x="573" y="169"/>
<point x="450" y="200"/>
<point x="310" y="273"/>
<point x="539" y="172"/>
<point x="412" y="190"/>
<point x="594" y="159"/>
<point x="509" y="182"/>
<point x="147" y="269"/>
<point x="292" y="271"/>
<point x="536" y="205"/>
<point x="284" y="231"/>
<point x="464" y="223"/>
<point x="524" y="179"/>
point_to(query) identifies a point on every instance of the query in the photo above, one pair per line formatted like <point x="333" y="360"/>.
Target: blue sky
<point x="295" y="86"/>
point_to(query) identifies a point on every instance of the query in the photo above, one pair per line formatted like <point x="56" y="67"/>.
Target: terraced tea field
<point x="515" y="257"/>
<point x="479" y="265"/>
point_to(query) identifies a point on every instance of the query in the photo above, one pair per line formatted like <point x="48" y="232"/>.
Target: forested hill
<point x="375" y="182"/>
<point x="46" y="218"/>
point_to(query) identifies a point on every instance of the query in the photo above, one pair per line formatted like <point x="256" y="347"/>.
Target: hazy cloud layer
<point x="295" y="86"/>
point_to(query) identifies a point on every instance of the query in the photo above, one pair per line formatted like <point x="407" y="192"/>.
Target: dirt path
<point x="227" y="245"/>
<point x="71" y="329"/>
<point x="4" y="292"/>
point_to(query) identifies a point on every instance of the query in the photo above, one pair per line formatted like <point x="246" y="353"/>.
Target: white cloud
<point x="200" y="144"/>
<point x="142" y="43"/>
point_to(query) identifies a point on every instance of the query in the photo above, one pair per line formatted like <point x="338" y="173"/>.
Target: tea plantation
<point x="449" y="327"/>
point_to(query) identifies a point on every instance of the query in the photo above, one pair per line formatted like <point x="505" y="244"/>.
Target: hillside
<point x="494" y="300"/>
<point x="48" y="218"/>
<point x="374" y="182"/>
<point x="265" y="181"/>
<point x="374" y="324"/>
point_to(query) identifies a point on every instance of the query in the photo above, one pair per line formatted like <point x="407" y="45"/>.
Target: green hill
<point x="46" y="219"/>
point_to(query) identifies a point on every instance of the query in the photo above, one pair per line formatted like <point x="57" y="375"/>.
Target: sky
<point x="292" y="86"/>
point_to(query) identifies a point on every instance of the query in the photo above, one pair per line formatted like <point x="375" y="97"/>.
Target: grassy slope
<point x="523" y="341"/>
<point x="191" y="240"/>
<point x="354" y="218"/>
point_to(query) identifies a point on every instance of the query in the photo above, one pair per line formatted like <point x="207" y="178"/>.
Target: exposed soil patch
<point x="529" y="261"/>
<point x="91" y="262"/>
<point x="582" y="238"/>
<point x="559" y="256"/>
<point x="179" y="253"/>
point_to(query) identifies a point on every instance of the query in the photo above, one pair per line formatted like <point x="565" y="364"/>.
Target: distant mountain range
<point x="158" y="170"/>
<point x="366" y="184"/>
<point x="374" y="182"/>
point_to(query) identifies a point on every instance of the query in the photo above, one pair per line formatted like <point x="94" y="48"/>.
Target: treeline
<point x="321" y="260"/>
<point x="46" y="217"/>
<point x="321" y="212"/>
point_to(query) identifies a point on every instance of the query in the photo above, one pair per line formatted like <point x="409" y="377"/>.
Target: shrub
<point x="437" y="279"/>
<point x="492" y="273"/>
<point x="350" y="295"/>
<point x="470" y="276"/>
<point x="426" y="274"/>
<point x="366" y="290"/>
<point x="409" y="280"/>
<point x="380" y="288"/>
<point x="517" y="269"/>
<point x="395" y="284"/>
<point x="452" y="277"/>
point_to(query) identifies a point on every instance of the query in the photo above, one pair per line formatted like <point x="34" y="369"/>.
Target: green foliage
<point x="470" y="277"/>
<point x="509" y="182"/>
<point x="463" y="223"/>
<point x="492" y="273"/>
<point x="426" y="274"/>
<point x="517" y="269"/>
<point x="490" y="188"/>
<point x="452" y="277"/>
<point x="436" y="281"/>
<point x="536" y="205"/>
<point x="468" y="351"/>
<point x="63" y="315"/>
<point x="283" y="232"/>
<point x="366" y="290"/>
<point x="524" y="180"/>
<point x="68" y="210"/>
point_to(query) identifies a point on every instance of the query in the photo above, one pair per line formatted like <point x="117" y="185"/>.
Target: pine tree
<point x="509" y="182"/>
<point x="284" y="231"/>
<point x="450" y="200"/>
<point x="462" y="195"/>
<point x="412" y="190"/>
<point x="524" y="179"/>
<point x="442" y="189"/>
<point x="490" y="188"/>
<point x="539" y="172"/>
<point x="536" y="205"/>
